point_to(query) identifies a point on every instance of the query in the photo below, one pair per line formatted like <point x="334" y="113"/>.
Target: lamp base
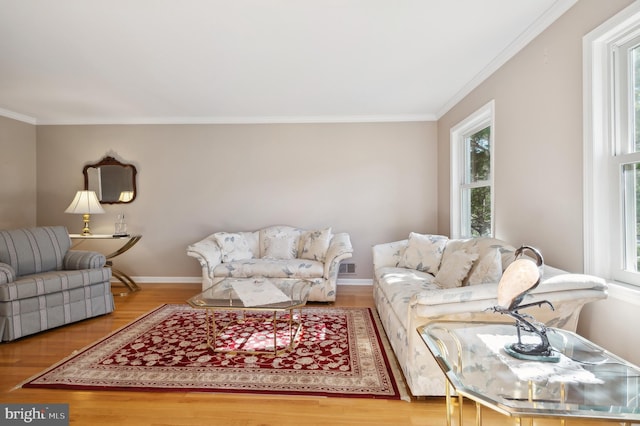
<point x="531" y="353"/>
<point x="85" y="230"/>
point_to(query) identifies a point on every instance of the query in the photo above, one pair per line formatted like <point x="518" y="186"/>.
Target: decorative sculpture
<point x="520" y="277"/>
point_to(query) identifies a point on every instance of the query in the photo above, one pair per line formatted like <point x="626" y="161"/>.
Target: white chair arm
<point x="340" y="248"/>
<point x="207" y="252"/>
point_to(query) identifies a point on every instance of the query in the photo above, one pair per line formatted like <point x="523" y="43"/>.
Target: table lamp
<point x="85" y="203"/>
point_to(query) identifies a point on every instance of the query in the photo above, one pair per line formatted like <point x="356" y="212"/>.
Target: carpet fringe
<point x="393" y="361"/>
<point x="76" y="351"/>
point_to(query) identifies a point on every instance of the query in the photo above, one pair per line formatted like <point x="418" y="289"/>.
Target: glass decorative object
<point x="120" y="227"/>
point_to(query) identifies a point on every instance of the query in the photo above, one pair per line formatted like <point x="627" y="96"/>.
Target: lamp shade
<point x="126" y="196"/>
<point x="85" y="202"/>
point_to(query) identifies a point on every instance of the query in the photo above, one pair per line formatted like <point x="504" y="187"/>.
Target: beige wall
<point x="538" y="164"/>
<point x="17" y="174"/>
<point x="376" y="181"/>
<point x="538" y="138"/>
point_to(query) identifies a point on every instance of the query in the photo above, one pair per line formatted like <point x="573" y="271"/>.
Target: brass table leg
<point x="213" y="331"/>
<point x="447" y="391"/>
<point x="123" y="278"/>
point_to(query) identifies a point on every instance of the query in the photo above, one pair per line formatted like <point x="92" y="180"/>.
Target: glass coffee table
<point x="587" y="382"/>
<point x="261" y="309"/>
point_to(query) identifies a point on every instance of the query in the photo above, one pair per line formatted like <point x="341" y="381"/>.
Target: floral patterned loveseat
<point x="430" y="277"/>
<point x="275" y="252"/>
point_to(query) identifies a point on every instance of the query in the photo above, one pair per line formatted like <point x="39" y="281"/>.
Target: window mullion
<point x="476" y="184"/>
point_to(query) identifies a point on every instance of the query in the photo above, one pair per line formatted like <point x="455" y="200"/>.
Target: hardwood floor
<point x="26" y="357"/>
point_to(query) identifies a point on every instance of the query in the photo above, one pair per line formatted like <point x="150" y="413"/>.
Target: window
<point x="612" y="148"/>
<point x="472" y="175"/>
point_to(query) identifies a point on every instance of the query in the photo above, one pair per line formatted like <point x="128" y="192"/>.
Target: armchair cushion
<point x="274" y="268"/>
<point x="52" y="283"/>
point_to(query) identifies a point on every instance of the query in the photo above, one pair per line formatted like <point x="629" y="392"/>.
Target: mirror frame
<point x="110" y="161"/>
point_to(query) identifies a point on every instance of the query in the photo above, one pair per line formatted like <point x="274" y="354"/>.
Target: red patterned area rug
<point x="338" y="352"/>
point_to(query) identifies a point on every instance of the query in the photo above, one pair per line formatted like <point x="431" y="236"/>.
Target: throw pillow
<point x="487" y="270"/>
<point x="424" y="252"/>
<point x="280" y="247"/>
<point x="315" y="244"/>
<point x="454" y="269"/>
<point x="233" y="246"/>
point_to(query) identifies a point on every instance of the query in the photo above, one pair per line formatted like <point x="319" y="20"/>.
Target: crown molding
<point x="530" y="33"/>
<point x="241" y="120"/>
<point x="17" y="116"/>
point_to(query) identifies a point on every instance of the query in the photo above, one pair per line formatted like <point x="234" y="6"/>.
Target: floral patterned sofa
<point x="275" y="252"/>
<point x="429" y="277"/>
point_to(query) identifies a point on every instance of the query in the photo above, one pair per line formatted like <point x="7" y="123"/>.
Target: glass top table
<point x="254" y="294"/>
<point x="587" y="382"/>
<point x="279" y="297"/>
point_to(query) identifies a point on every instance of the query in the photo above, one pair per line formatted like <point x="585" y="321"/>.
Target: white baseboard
<point x="164" y="280"/>
<point x="189" y="280"/>
<point x="355" y="281"/>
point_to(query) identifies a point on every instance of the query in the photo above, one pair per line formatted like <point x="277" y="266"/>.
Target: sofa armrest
<point x="484" y="296"/>
<point x="388" y="254"/>
<point x="83" y="259"/>
<point x="7" y="273"/>
<point x="207" y="252"/>
<point x="339" y="248"/>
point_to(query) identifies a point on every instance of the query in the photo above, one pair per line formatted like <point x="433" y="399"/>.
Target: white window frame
<point x="603" y="211"/>
<point x="483" y="117"/>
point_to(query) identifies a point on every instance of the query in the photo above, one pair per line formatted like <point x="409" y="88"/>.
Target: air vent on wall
<point x="347" y="268"/>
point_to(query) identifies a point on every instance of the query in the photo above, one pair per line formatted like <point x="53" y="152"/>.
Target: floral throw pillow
<point x="454" y="269"/>
<point x="280" y="247"/>
<point x="233" y="246"/>
<point x="424" y="252"/>
<point x="315" y="244"/>
<point x="488" y="269"/>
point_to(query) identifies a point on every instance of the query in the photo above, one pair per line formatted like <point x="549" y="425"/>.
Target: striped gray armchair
<point x="44" y="284"/>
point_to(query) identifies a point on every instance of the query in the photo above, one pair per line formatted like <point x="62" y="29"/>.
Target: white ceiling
<point x="230" y="61"/>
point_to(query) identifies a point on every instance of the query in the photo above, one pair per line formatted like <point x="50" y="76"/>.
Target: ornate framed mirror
<point x="113" y="182"/>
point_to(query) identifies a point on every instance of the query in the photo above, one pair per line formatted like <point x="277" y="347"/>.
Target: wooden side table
<point x="129" y="241"/>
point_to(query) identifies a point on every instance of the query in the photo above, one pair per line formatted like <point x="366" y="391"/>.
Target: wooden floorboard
<point x="26" y="357"/>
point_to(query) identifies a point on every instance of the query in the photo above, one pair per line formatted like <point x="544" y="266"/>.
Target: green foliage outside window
<point x="479" y="170"/>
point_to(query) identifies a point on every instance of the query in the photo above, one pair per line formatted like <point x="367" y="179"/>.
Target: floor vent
<point x="347" y="268"/>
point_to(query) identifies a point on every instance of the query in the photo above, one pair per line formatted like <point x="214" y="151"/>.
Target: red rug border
<point x="372" y="316"/>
